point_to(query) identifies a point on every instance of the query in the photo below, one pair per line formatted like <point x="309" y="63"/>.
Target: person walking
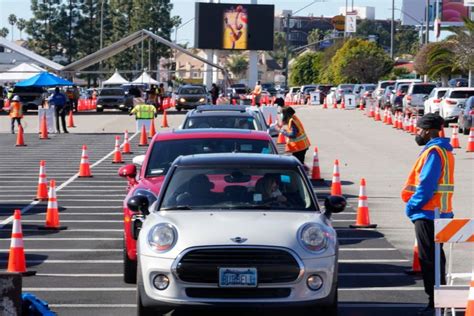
<point x="143" y="114"/>
<point x="160" y="95"/>
<point x="59" y="100"/>
<point x="16" y="112"/>
<point x="257" y="93"/>
<point x="214" y="93"/>
<point x="430" y="187"/>
<point x="297" y="142"/>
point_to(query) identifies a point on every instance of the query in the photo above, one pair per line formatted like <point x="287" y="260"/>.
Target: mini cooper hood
<point x="255" y="228"/>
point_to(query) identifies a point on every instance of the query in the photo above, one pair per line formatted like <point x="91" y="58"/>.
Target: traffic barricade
<point x="314" y="98"/>
<point x="451" y="231"/>
<point x="50" y="118"/>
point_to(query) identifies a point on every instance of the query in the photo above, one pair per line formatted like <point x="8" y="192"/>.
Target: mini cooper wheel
<point x="129" y="268"/>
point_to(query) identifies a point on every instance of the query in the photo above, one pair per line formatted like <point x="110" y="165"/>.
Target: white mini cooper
<point x="231" y="229"/>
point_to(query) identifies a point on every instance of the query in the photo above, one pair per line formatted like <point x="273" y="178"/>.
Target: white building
<point x="362" y="12"/>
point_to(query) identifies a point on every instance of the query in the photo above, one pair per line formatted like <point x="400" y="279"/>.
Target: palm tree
<point x="3" y="32"/>
<point x="238" y="65"/>
<point x="12" y="21"/>
<point x="440" y="61"/>
<point x="21" y="25"/>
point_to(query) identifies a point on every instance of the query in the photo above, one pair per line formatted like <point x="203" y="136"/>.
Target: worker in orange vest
<point x="297" y="142"/>
<point x="16" y="112"/>
<point x="430" y="186"/>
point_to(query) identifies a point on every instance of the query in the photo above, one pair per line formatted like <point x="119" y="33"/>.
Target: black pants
<point x="300" y="155"/>
<point x="18" y="121"/>
<point x="61" y="112"/>
<point x="424" y="230"/>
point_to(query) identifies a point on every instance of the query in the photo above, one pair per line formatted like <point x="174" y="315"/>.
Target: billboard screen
<point x="453" y="11"/>
<point x="234" y="26"/>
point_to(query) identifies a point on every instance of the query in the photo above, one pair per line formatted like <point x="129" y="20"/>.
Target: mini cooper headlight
<point x="313" y="237"/>
<point x="162" y="237"/>
<point x="202" y="100"/>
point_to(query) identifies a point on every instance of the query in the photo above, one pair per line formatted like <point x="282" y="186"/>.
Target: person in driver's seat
<point x="268" y="187"/>
<point x="199" y="191"/>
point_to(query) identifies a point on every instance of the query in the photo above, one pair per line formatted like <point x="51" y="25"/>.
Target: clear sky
<point x="185" y="9"/>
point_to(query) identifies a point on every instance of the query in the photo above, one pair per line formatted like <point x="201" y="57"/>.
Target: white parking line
<point x="79" y="289"/>
<point x="104" y="230"/>
<point x="367" y="249"/>
<point x="85" y="213"/>
<point x="371" y="260"/>
<point x="358" y="238"/>
<point x="85" y="275"/>
<point x="76" y="221"/>
<point x="383" y="274"/>
<point x="68" y="261"/>
<point x="400" y="288"/>
<point x="67" y="250"/>
<point x="92" y="305"/>
<point x="379" y="305"/>
<point x="71" y="239"/>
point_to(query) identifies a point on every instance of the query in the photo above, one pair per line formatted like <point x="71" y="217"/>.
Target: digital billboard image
<point x="229" y="26"/>
<point x="453" y="11"/>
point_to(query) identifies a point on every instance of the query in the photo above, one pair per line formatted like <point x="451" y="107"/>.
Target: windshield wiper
<point x="250" y="207"/>
<point x="176" y="208"/>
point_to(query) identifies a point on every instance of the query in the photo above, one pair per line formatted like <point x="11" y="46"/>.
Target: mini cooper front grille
<point x="273" y="265"/>
<point x="258" y="293"/>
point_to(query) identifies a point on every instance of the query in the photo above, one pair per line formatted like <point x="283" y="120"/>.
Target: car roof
<point x="238" y="159"/>
<point x="211" y="133"/>
<point x="461" y="89"/>
<point x="195" y="113"/>
<point x="223" y="107"/>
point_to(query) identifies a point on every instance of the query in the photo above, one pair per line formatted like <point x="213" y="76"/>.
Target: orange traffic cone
<point x="389" y="118"/>
<point x="117" y="153"/>
<point x="143" y="138"/>
<point x="334" y="104"/>
<point x="384" y="120"/>
<point x="152" y="128"/>
<point x="234" y="102"/>
<point x="336" y="180"/>
<point x="281" y="139"/>
<point x="470" y="299"/>
<point x="52" y="212"/>
<point x="396" y="120"/>
<point x="42" y="190"/>
<point x="316" y="171"/>
<point x="343" y="104"/>
<point x="415" y="266"/>
<point x="270" y="122"/>
<point x="361" y="105"/>
<point x="44" y="128"/>
<point x="70" y="120"/>
<point x="325" y="104"/>
<point x="470" y="141"/>
<point x="407" y="123"/>
<point x="363" y="218"/>
<point x="371" y="112"/>
<point x="441" y="133"/>
<point x="454" y="138"/>
<point x="126" y="144"/>
<point x="84" y="168"/>
<point x="20" y="140"/>
<point x="164" y="123"/>
<point x="16" y="258"/>
<point x="377" y="114"/>
<point x="413" y="125"/>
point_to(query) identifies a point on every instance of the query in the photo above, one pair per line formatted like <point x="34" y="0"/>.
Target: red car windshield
<point x="164" y="153"/>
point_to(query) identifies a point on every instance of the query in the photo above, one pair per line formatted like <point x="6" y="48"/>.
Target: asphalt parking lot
<point x="79" y="270"/>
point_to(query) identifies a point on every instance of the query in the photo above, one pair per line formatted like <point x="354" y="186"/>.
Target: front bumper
<point x="102" y="105"/>
<point x="189" y="105"/>
<point x="175" y="294"/>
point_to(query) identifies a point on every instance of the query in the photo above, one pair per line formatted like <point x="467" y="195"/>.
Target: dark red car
<point x="164" y="148"/>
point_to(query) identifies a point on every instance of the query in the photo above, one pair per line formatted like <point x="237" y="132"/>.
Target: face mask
<point x="420" y="140"/>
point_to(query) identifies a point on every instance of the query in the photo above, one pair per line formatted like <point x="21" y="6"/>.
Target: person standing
<point x="75" y="100"/>
<point x="160" y="95"/>
<point x="214" y="93"/>
<point x="297" y="142"/>
<point x="16" y="112"/>
<point x="59" y="100"/>
<point x="257" y="93"/>
<point x="143" y="114"/>
<point x="430" y="187"/>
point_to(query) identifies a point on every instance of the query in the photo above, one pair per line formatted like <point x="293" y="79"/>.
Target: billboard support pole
<point x="253" y="63"/>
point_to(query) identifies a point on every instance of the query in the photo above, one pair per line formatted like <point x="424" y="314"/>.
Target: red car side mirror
<point x="128" y="171"/>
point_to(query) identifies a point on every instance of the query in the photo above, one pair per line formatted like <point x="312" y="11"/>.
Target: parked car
<point x="363" y="91"/>
<point x="397" y="84"/>
<point x="466" y="117"/>
<point x="397" y="104"/>
<point x="202" y="241"/>
<point x="30" y="97"/>
<point x="434" y="100"/>
<point x="414" y="100"/>
<point x="384" y="99"/>
<point x="238" y="94"/>
<point x="270" y="88"/>
<point x="381" y="89"/>
<point x="343" y="89"/>
<point x="190" y="96"/>
<point x="453" y="103"/>
<point x="258" y="111"/>
<point x="114" y="98"/>
<point x="458" y="82"/>
<point x="305" y="90"/>
<point x="164" y="148"/>
<point x="323" y="90"/>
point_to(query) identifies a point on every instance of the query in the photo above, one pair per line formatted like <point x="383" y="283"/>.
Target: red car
<point x="163" y="150"/>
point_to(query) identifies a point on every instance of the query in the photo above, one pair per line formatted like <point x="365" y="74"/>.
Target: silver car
<point x="232" y="229"/>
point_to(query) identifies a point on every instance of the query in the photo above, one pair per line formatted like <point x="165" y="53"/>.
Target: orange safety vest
<point x="300" y="141"/>
<point x="442" y="198"/>
<point x="16" y="109"/>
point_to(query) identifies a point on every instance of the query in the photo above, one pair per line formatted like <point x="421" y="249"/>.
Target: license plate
<point x="237" y="277"/>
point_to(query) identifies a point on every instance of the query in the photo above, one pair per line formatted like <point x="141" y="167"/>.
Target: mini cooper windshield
<point x="237" y="188"/>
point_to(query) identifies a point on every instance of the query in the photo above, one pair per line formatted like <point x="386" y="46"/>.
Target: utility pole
<point x="287" y="48"/>
<point x="427" y="20"/>
<point x="392" y="31"/>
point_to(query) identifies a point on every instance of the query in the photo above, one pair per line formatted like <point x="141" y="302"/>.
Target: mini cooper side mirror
<point x="335" y="204"/>
<point x="138" y="203"/>
<point x="128" y="171"/>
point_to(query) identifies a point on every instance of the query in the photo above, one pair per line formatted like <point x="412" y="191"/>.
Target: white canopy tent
<point x="116" y="79"/>
<point x="145" y="78"/>
<point x="21" y="72"/>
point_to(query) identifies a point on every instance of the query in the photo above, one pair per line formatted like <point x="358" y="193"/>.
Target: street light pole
<point x="392" y="30"/>
<point x="427" y="20"/>
<point x="287" y="48"/>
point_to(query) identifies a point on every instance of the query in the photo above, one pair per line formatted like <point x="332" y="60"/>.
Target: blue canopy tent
<point x="44" y="79"/>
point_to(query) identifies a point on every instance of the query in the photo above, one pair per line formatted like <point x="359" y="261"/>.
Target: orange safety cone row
<point x="42" y="190"/>
<point x="316" y="171"/>
<point x="20" y="140"/>
<point x="143" y="138"/>
<point x="84" y="168"/>
<point x="152" y="128"/>
<point x="164" y="122"/>
<point x="470" y="141"/>
<point x="16" y="258"/>
<point x="415" y="266"/>
<point x="336" y="180"/>
<point x="126" y="144"/>
<point x="44" y="128"/>
<point x="363" y="218"/>
<point x="52" y="212"/>
<point x="117" y="152"/>
<point x="454" y="138"/>
<point x="70" y="120"/>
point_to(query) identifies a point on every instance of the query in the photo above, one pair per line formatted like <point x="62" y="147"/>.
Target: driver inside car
<point x="269" y="189"/>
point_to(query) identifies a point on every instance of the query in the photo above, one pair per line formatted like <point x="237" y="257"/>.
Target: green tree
<point x="371" y="27"/>
<point x="406" y="40"/>
<point x="279" y="46"/>
<point x="12" y="21"/>
<point x="326" y="75"/>
<point x="463" y="47"/>
<point x="3" y="32"/>
<point x="21" y="25"/>
<point x="306" y="68"/>
<point x="238" y="65"/>
<point x="436" y="60"/>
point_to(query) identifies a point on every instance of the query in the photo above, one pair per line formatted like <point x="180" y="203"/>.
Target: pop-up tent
<point x="21" y="72"/>
<point x="115" y="80"/>
<point x="145" y="78"/>
<point x="44" y="79"/>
